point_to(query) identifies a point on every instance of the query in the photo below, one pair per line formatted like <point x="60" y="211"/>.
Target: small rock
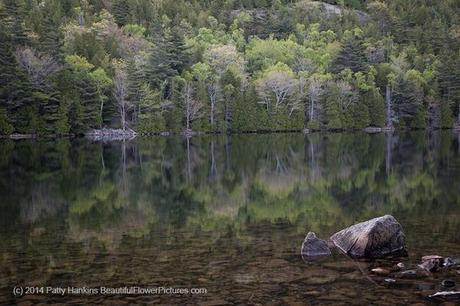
<point x="380" y="271"/>
<point x="430" y="257"/>
<point x="401" y="266"/>
<point x="430" y="265"/>
<point x="312" y="246"/>
<point x="313" y="293"/>
<point x="390" y="280"/>
<point x="408" y="274"/>
<point x="448" y="283"/>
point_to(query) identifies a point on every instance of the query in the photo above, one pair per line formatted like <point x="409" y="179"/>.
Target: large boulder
<point x="374" y="238"/>
<point x="312" y="246"/>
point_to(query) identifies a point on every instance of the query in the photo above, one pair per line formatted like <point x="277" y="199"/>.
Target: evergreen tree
<point x="14" y="87"/>
<point x="408" y="100"/>
<point x="121" y="12"/>
<point x="89" y="99"/>
<point x="161" y="66"/>
<point x="177" y="51"/>
<point x="50" y="40"/>
<point x="350" y="56"/>
<point x="376" y="107"/>
<point x="5" y="127"/>
<point x="13" y="19"/>
<point x="360" y="115"/>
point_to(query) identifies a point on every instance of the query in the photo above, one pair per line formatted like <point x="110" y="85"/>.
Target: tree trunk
<point x="312" y="109"/>
<point x="212" y="111"/>
<point x="101" y="110"/>
<point x="123" y="116"/>
<point x="389" y="121"/>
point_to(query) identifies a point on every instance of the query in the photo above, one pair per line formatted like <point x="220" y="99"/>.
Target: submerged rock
<point x="380" y="271"/>
<point x="377" y="237"/>
<point x="447" y="283"/>
<point x="312" y="246"/>
<point x="411" y="274"/>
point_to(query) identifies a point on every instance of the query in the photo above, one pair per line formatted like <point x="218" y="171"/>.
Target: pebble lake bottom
<point x="226" y="215"/>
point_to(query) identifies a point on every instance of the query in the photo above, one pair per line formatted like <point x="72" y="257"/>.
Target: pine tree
<point x="14" y="87"/>
<point x="376" y="106"/>
<point x="408" y="100"/>
<point x="160" y="67"/>
<point x="50" y="40"/>
<point x="177" y="50"/>
<point x="121" y="12"/>
<point x="89" y="99"/>
<point x="360" y="115"/>
<point x="5" y="127"/>
<point x="13" y="20"/>
<point x="350" y="56"/>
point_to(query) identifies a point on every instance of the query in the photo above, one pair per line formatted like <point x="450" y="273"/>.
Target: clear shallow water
<point x="227" y="214"/>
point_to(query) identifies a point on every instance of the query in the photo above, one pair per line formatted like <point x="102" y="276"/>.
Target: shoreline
<point x="187" y="134"/>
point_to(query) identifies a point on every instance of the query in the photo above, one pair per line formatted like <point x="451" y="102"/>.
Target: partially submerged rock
<point x="433" y="263"/>
<point x="377" y="237"/>
<point x="312" y="246"/>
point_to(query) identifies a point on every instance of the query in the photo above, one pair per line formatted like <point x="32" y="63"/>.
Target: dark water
<point x="227" y="214"/>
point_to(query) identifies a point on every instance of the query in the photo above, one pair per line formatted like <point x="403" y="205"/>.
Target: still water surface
<point x="224" y="213"/>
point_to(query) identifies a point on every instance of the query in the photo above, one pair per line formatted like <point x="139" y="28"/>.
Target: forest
<point x="154" y="66"/>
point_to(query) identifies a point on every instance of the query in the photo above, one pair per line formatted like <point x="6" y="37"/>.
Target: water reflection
<point x="71" y="207"/>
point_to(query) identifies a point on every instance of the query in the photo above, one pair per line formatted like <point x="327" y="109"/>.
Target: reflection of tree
<point x="225" y="184"/>
<point x="44" y="202"/>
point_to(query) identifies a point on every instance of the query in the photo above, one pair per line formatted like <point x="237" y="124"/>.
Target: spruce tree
<point x="89" y="99"/>
<point x="177" y="50"/>
<point x="121" y="12"/>
<point x="14" y="87"/>
<point x="350" y="56"/>
<point x="13" y="20"/>
<point x="408" y="100"/>
<point x="50" y="40"/>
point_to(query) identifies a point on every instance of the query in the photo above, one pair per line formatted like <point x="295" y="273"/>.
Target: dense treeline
<point x="227" y="65"/>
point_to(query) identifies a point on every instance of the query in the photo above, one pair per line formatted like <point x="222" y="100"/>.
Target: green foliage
<point x="376" y="106"/>
<point x="254" y="59"/>
<point x="5" y="127"/>
<point x="351" y="56"/>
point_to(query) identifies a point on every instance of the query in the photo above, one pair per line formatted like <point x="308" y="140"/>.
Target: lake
<point x="223" y="217"/>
